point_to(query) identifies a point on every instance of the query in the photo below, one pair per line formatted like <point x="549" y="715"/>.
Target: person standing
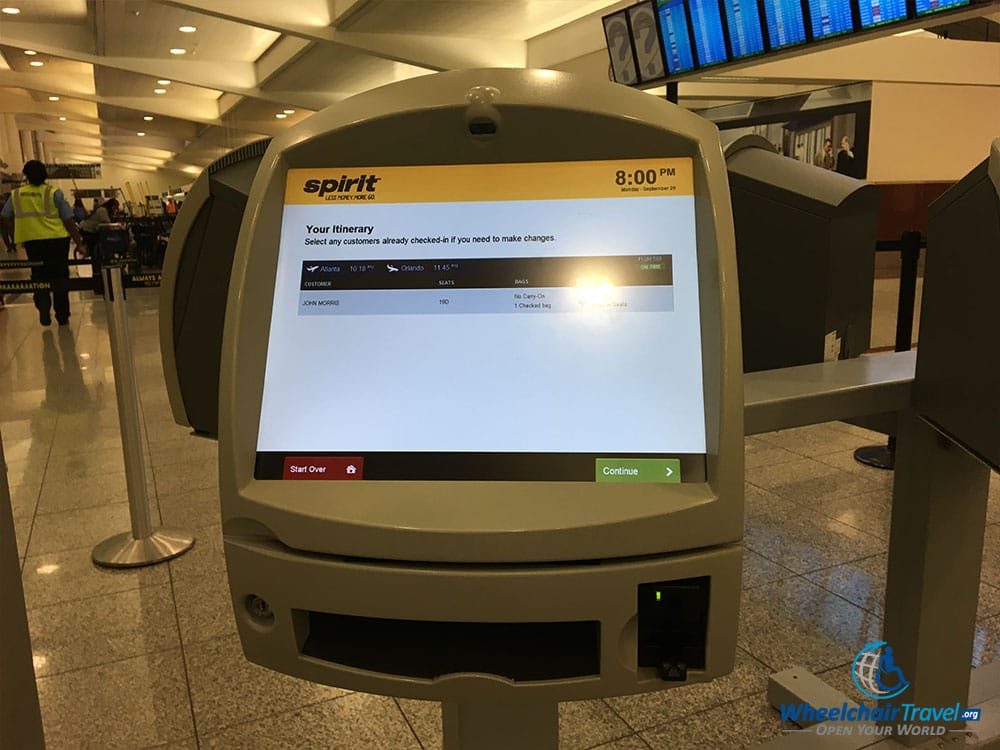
<point x="825" y="158"/>
<point x="43" y="223"/>
<point x="845" y="158"/>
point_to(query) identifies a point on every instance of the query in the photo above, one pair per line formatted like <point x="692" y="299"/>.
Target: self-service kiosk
<point x="481" y="400"/>
<point x="958" y="363"/>
<point x="195" y="281"/>
<point x="805" y="244"/>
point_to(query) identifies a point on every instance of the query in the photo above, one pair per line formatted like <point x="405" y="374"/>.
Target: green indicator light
<point x="659" y="596"/>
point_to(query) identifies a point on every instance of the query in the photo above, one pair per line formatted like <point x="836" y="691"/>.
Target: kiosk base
<point x="527" y="725"/>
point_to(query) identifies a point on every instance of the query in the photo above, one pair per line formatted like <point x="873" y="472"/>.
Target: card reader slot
<point x="519" y="651"/>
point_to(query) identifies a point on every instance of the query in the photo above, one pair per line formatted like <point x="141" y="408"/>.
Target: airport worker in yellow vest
<point x="43" y="224"/>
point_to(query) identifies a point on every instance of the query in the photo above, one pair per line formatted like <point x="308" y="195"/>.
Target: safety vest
<point x="36" y="216"/>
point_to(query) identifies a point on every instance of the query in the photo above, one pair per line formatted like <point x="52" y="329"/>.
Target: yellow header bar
<point x="617" y="178"/>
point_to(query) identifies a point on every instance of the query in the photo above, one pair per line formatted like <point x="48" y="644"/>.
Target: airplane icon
<point x="310" y="269"/>
<point x="392" y="268"/>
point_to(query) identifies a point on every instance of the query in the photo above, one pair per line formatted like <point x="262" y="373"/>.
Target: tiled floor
<point x="150" y="658"/>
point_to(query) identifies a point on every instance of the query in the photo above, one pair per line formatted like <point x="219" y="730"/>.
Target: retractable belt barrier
<point x="79" y="284"/>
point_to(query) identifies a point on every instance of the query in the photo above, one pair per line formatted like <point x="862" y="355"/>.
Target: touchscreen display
<point x="530" y="321"/>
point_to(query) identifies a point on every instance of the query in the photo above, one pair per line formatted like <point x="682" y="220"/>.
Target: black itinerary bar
<point x="488" y="273"/>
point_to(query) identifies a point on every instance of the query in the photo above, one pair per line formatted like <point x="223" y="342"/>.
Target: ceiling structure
<point x="174" y="84"/>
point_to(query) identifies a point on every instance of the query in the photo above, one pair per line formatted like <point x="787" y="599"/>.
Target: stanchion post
<point x="144" y="544"/>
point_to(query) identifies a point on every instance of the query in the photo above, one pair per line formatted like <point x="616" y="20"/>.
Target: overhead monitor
<point x="646" y="39"/>
<point x="878" y="12"/>
<point x="576" y="313"/>
<point x="481" y="334"/>
<point x="620" y="49"/>
<point x="785" y="24"/>
<point x="925" y="7"/>
<point x="676" y="31"/>
<point x="709" y="37"/>
<point x="830" y="18"/>
<point x="745" y="35"/>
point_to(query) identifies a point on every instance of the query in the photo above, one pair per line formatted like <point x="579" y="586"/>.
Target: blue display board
<point x="785" y="25"/>
<point x="830" y="17"/>
<point x="933" y="6"/>
<point x="745" y="36"/>
<point x="709" y="38"/>
<point x="877" y="12"/>
<point x="676" y="36"/>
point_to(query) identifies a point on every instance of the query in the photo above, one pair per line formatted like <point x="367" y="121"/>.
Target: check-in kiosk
<point x="481" y="403"/>
<point x="805" y="243"/>
<point x="958" y="361"/>
<point x="195" y="282"/>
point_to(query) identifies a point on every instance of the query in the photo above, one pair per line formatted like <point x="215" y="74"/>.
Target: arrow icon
<point x="670" y="472"/>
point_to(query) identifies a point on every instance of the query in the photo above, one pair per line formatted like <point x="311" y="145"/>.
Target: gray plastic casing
<point x="481" y="551"/>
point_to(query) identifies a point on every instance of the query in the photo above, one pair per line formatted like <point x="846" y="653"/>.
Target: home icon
<point x="352" y="469"/>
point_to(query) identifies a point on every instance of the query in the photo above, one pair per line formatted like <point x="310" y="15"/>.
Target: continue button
<point x="324" y="467"/>
<point x="638" y="470"/>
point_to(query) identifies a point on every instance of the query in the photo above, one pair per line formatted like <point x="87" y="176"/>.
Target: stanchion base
<point x="124" y="551"/>
<point x="876" y="456"/>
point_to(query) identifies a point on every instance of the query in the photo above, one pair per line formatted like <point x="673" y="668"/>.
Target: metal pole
<point x="145" y="544"/>
<point x="20" y="716"/>
<point x="500" y="725"/>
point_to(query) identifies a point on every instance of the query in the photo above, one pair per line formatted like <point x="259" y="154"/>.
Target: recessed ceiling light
<point x="163" y="82"/>
<point x="10" y="11"/>
<point x="140" y="133"/>
<point x="53" y="98"/>
<point x="148" y="118"/>
<point x="288" y="111"/>
<point x="159" y="91"/>
<point x="281" y="115"/>
<point x="178" y="51"/>
<point x="30" y="52"/>
<point x="36" y="63"/>
<point x="62" y="119"/>
<point x="187" y="29"/>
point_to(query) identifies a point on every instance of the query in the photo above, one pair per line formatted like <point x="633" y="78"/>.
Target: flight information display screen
<point x="785" y="24"/>
<point x="745" y="36"/>
<point x="933" y="6"/>
<point x="645" y="36"/>
<point x="676" y="36"/>
<point x="830" y="18"/>
<point x="519" y="322"/>
<point x="709" y="38"/>
<point x="619" y="41"/>
<point x="878" y="12"/>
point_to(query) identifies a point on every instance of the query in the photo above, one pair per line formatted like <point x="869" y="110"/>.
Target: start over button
<point x="324" y="467"/>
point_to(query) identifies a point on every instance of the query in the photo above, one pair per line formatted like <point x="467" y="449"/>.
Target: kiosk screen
<point x="532" y="321"/>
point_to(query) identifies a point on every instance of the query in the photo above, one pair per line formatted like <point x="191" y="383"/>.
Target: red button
<point x="324" y="467"/>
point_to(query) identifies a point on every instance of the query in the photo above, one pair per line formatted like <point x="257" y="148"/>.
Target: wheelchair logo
<point x="876" y="674"/>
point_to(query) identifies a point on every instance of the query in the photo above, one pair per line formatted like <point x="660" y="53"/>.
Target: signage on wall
<point x="73" y="171"/>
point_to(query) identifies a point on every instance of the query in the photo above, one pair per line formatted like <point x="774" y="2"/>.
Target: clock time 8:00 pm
<point x="642" y="176"/>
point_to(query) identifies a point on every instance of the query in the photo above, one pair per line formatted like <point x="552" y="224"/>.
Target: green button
<point x="638" y="470"/>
